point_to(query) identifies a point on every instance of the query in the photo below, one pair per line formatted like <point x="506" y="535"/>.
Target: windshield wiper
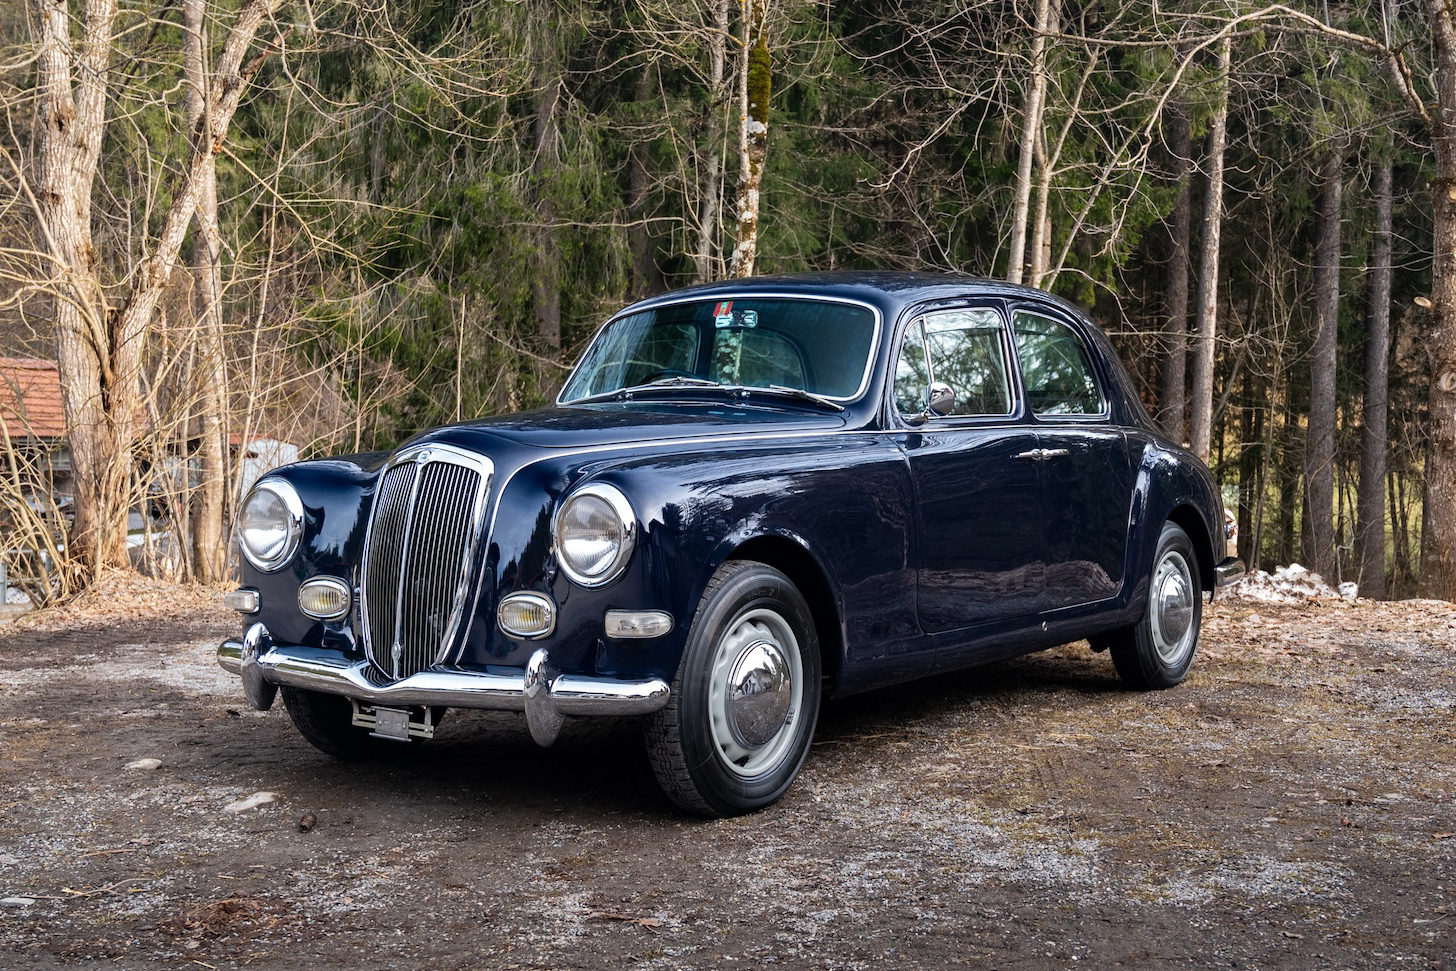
<point x="797" y="393"/>
<point x="673" y="381"/>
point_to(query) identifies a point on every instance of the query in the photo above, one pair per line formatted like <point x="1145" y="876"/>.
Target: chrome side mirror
<point x="939" y="400"/>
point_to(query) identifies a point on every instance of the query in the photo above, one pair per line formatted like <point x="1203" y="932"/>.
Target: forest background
<point x="335" y="223"/>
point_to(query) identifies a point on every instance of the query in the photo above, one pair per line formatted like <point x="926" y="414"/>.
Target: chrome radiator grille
<point x="427" y="519"/>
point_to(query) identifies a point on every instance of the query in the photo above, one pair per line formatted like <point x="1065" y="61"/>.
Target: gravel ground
<point x="1290" y="806"/>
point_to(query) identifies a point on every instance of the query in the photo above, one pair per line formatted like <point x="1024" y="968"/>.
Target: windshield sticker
<point x="749" y="318"/>
<point x="723" y="314"/>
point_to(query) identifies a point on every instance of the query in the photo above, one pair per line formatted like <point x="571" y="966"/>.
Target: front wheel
<point x="1158" y="650"/>
<point x="737" y="726"/>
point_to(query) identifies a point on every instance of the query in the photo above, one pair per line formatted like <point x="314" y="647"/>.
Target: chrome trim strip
<point x="749" y="294"/>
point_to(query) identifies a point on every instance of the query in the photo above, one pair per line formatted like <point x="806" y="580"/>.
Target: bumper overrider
<point x="544" y="694"/>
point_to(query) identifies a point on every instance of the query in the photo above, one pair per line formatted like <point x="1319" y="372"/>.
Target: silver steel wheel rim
<point x="758" y="640"/>
<point x="1171" y="607"/>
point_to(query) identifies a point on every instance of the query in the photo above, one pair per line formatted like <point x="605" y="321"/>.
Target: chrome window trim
<point x="459" y="625"/>
<point x="1010" y="371"/>
<point x="747" y="294"/>
<point x="292" y="502"/>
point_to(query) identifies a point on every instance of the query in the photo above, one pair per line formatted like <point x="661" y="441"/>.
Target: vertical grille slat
<point x="424" y="526"/>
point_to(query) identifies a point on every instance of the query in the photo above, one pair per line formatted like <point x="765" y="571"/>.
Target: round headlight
<point x="595" y="532"/>
<point x="270" y="524"/>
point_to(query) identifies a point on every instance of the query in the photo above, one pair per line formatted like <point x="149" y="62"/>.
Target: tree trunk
<point x="209" y="549"/>
<point x="1370" y="515"/>
<point x="754" y="87"/>
<point x="710" y="148"/>
<point x="1030" y="128"/>
<point x="1206" y="330"/>
<point x="646" y="277"/>
<point x="99" y="348"/>
<point x="1173" y="399"/>
<point x="1319" y="451"/>
<point x="546" y="278"/>
<point x="71" y="84"/>
<point x="1438" y="533"/>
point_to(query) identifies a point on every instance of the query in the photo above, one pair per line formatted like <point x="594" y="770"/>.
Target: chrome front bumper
<point x="543" y="693"/>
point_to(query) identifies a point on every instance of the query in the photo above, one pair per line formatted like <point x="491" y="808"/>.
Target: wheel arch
<point x="1191" y="521"/>
<point x="800" y="566"/>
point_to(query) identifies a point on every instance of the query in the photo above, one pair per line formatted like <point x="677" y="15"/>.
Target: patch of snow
<point x="1292" y="584"/>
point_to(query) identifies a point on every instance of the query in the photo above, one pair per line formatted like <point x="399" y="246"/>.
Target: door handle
<point x="1042" y="454"/>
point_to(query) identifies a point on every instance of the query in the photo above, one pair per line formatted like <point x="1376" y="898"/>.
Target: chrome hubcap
<point x="759" y="694"/>
<point x="755" y="690"/>
<point x="1172" y="606"/>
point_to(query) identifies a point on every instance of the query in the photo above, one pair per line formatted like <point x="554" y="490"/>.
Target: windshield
<point x="816" y="346"/>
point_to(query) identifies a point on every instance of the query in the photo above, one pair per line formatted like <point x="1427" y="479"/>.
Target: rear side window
<point x="1055" y="367"/>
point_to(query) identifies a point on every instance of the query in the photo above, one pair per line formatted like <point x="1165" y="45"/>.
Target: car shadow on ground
<point x="599" y="766"/>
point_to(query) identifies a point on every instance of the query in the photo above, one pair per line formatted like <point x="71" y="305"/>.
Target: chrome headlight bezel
<point x="597" y="571"/>
<point x="291" y="522"/>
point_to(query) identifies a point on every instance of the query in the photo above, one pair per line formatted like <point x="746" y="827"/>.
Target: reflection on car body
<point x="750" y="496"/>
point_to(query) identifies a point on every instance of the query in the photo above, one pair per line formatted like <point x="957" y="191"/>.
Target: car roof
<point x="890" y="291"/>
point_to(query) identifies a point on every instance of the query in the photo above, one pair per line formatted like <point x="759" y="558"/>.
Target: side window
<point x="1058" y="373"/>
<point x="961" y="348"/>
<point x="912" y="376"/>
<point x="966" y="352"/>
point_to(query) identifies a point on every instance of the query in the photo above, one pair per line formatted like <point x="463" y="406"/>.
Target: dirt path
<point x="1291" y="806"/>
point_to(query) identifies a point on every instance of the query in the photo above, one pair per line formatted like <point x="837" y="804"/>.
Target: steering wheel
<point x="669" y="372"/>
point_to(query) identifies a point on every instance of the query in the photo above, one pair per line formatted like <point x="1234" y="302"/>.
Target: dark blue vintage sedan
<point x="749" y="497"/>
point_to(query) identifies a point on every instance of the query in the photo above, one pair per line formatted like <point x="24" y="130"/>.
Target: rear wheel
<point x="737" y="726"/>
<point x="1158" y="650"/>
<point x="327" y="722"/>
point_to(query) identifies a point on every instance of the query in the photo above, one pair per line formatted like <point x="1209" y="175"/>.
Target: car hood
<point x="596" y="425"/>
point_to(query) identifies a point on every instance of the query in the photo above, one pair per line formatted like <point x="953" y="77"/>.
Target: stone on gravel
<point x="16" y="901"/>
<point x="251" y="802"/>
<point x="144" y="765"/>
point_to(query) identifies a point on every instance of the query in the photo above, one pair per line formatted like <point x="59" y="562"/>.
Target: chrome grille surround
<point x="415" y="580"/>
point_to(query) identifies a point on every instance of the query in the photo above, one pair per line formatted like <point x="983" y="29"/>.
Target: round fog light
<point x="325" y="598"/>
<point x="527" y="615"/>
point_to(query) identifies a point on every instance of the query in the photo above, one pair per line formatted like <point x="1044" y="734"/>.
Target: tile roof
<point x="30" y="398"/>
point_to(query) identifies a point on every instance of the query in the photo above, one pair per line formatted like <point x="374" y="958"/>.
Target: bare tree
<point x="1173" y="396"/>
<point x="99" y="344"/>
<point x="1319" y="452"/>
<point x="209" y="550"/>
<point x="1030" y="132"/>
<point x="1206" y="327"/>
<point x="1370" y="534"/>
<point x="755" y="82"/>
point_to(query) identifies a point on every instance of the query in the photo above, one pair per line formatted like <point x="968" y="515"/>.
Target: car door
<point x="1086" y="469"/>
<point x="980" y="537"/>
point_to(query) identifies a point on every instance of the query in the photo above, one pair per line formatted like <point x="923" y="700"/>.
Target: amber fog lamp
<point x="527" y="615"/>
<point x="595" y="532"/>
<point x="270" y="524"/>
<point x="325" y="598"/>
